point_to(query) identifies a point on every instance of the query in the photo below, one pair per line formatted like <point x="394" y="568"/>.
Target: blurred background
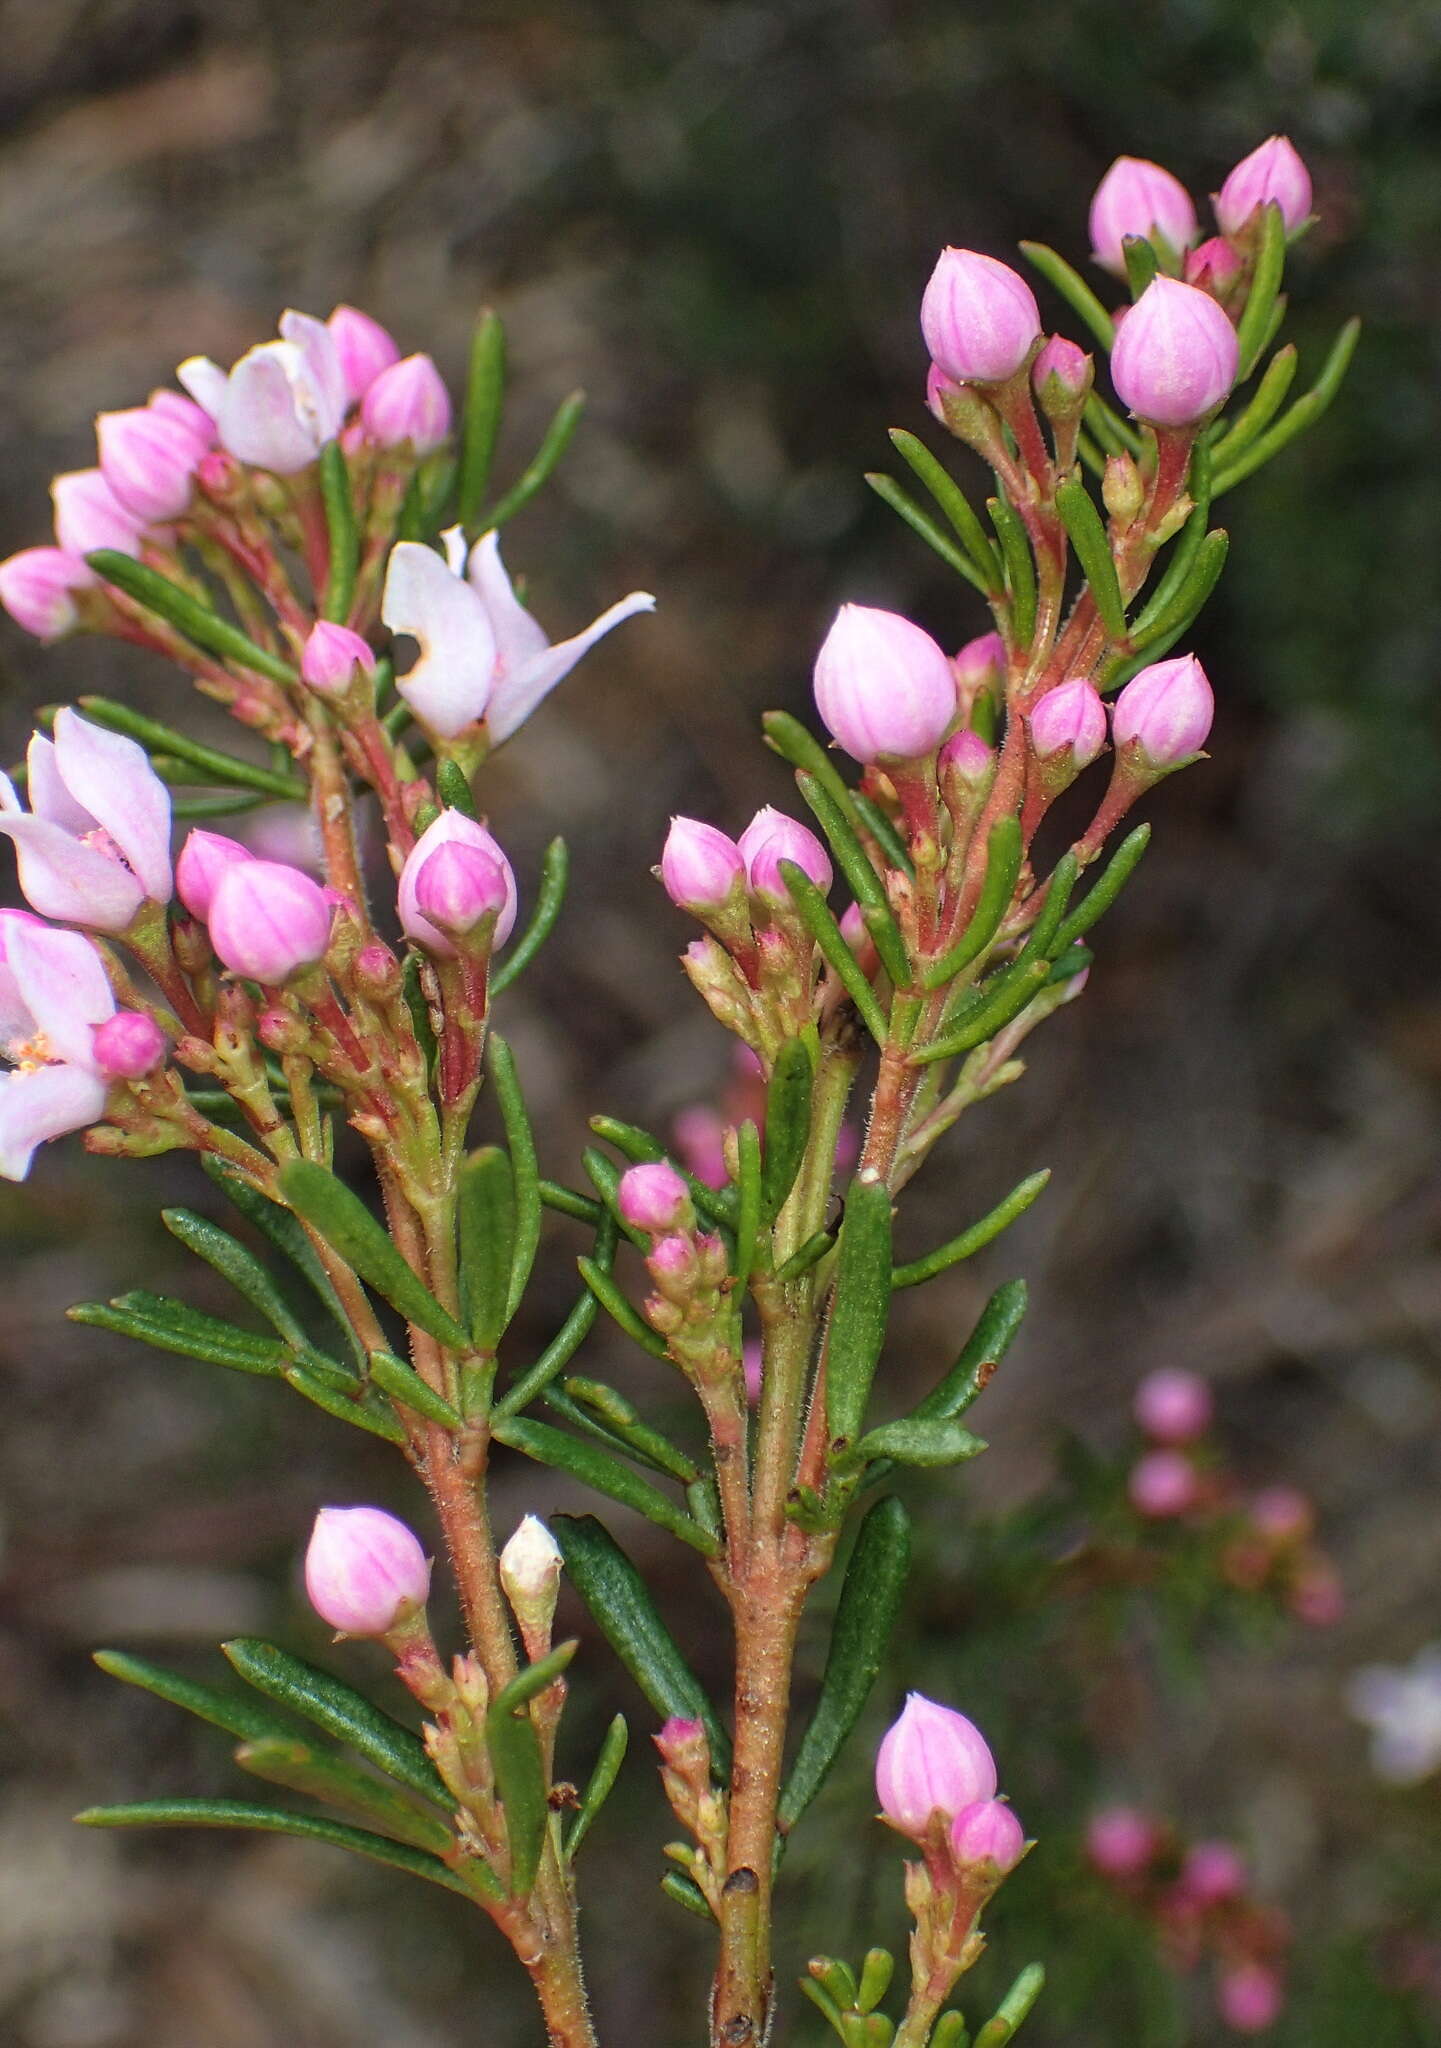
<point x="718" y="219"/>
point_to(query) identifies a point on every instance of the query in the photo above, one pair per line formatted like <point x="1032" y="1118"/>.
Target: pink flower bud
<point x="1250" y="1997"/>
<point x="1282" y="1513"/>
<point x="1213" y="267"/>
<point x="88" y="515"/>
<point x="980" y="319"/>
<point x="980" y="666"/>
<point x="458" y="885"/>
<point x="1212" y="1873"/>
<point x="364" y="349"/>
<point x="184" y="412"/>
<point x="938" y="384"/>
<point x="1162" y="1485"/>
<point x="37" y="588"/>
<point x="1176" y="356"/>
<point x="267" y="920"/>
<point x="1165" y="713"/>
<point x="1137" y="197"/>
<point x="679" y="1738"/>
<point x="1070" y="718"/>
<point x="1272" y="174"/>
<point x="701" y="868"/>
<point x="148" y="461"/>
<point x="1061" y="375"/>
<point x="407" y="404"/>
<point x="931" y="1760"/>
<point x="988" y="1832"/>
<point x="1121" y="1841"/>
<point x="1172" y="1406"/>
<point x="883" y="687"/>
<point x="654" y="1197"/>
<point x="128" y="1045"/>
<point x="772" y="837"/>
<point x="364" y="1570"/>
<point x="450" y="826"/>
<point x="967" y="756"/>
<point x="332" y="655"/>
<point x="203" y="860"/>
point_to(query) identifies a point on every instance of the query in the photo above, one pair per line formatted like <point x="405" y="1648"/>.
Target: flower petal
<point x="16" y="1022"/>
<point x="449" y="687"/>
<point x="67" y="880"/>
<point x="62" y="981"/>
<point x="323" y="400"/>
<point x="519" y="636"/>
<point x="517" y="694"/>
<point x="110" y="776"/>
<point x="44" y="1103"/>
<point x="205" y="381"/>
<point x="49" y="798"/>
<point x="259" y="420"/>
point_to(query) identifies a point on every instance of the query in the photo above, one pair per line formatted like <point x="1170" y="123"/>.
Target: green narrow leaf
<point x="625" y="1421"/>
<point x="1188" y="546"/>
<point x="484" y="397"/>
<point x="788" y="1124"/>
<point x="228" y="1257"/>
<point x="1013" y="2008"/>
<point x="807" y="1255"/>
<point x="1255" y="322"/>
<point x="786" y="736"/>
<point x="340" y="1711"/>
<point x="323" y="1200"/>
<point x="236" y="1713"/>
<point x="514" y="1747"/>
<point x="1093" y="551"/>
<point x="1141" y="263"/>
<point x="748" y="1215"/>
<point x="362" y="1410"/>
<point x="598" y="1788"/>
<point x="556" y="440"/>
<point x="486" y="1224"/>
<point x="567" y="1339"/>
<point x="621" y="1606"/>
<point x="419" y="1008"/>
<point x="338" y="498"/>
<point x="234" y="1813"/>
<point x="1265" y="403"/>
<point x="1020" y="569"/>
<point x="987" y="1345"/>
<point x="584" y="1422"/>
<point x="979" y="1235"/>
<point x="950" y="2032"/>
<point x="1102" y="894"/>
<point x="876" y="1973"/>
<point x="883" y="832"/>
<point x="954" y="503"/>
<point x="212" y="765"/>
<point x="566" y="1202"/>
<point x="1304" y="413"/>
<point x="988" y="1009"/>
<point x="866" y="885"/>
<point x="686" y="1893"/>
<point x="404" y="1384"/>
<point x="865" y="1616"/>
<point x="284" y="1231"/>
<point x="1206" y="569"/>
<point x="299" y="1767"/>
<point x="1073" y="289"/>
<point x="861" y="1308"/>
<point x="452" y="786"/>
<point x="909" y="1442"/>
<point x="1116" y="434"/>
<point x="604" y="1474"/>
<point x="549" y="902"/>
<point x="1004" y="853"/>
<point x="192" y="618"/>
<point x="171" y="1326"/>
<point x="525" y="1171"/>
<point x="827" y="934"/>
<point x="620" y="1309"/>
<point x="921" y="522"/>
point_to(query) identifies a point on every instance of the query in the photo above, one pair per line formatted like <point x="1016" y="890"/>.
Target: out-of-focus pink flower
<point x="1176" y="356"/>
<point x="364" y="1570"/>
<point x="699" y="1134"/>
<point x="1139" y="198"/>
<point x="1317" y="1595"/>
<point x="979" y="318"/>
<point x="407" y="405"/>
<point x="451" y="827"/>
<point x="89" y="516"/>
<point x="95" y="843"/>
<point x="1282" y="1513"/>
<point x="931" y="1760"/>
<point x="1213" y="1873"/>
<point x="54" y="992"/>
<point x="1173" y="1406"/>
<point x="1250" y="1997"/>
<point x="149" y="461"/>
<point x="883" y="686"/>
<point x="267" y="920"/>
<point x="281" y="402"/>
<point x="1273" y="173"/>
<point x="1121" y="1841"/>
<point x="1162" y="1485"/>
<point x="483" y="655"/>
<point x="37" y="588"/>
<point x="364" y="349"/>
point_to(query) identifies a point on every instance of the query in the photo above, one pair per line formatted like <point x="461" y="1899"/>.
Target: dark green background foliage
<point x="719" y="218"/>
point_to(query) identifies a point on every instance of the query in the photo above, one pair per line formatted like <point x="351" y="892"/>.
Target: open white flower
<point x="95" y="843"/>
<point x="1401" y="1705"/>
<point x="281" y="402"/>
<point x="53" y="992"/>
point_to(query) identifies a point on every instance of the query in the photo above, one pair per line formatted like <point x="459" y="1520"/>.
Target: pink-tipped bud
<point x="458" y="885"/>
<point x="980" y="668"/>
<point x="332" y="655"/>
<point x="1283" y="1514"/>
<point x="1213" y="1873"/>
<point x="364" y="1571"/>
<point x="988" y="1832"/>
<point x="364" y="349"/>
<point x="701" y="869"/>
<point x="1176" y="356"/>
<point x="88" y="515"/>
<point x="37" y="588"/>
<point x="267" y="920"/>
<point x="1121" y="1842"/>
<point x="185" y="413"/>
<point x="1061" y="377"/>
<point x="450" y="828"/>
<point x="1069" y="721"/>
<point x="1165" y="713"/>
<point x="654" y="1197"/>
<point x="682" y="1743"/>
<point x="1139" y="198"/>
<point x="980" y="319"/>
<point x="148" y="461"/>
<point x="1162" y="1485"/>
<point x="931" y="1760"/>
<point x="772" y="837"/>
<point x="1173" y="1406"/>
<point x="1213" y="267"/>
<point x="128" y="1045"/>
<point x="203" y="860"/>
<point x="407" y="404"/>
<point x="1273" y="174"/>
<point x="938" y="387"/>
<point x="883" y="687"/>
<point x="967" y="757"/>
<point x="1250" y="1997"/>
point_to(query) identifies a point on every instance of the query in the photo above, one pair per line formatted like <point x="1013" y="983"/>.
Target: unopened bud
<point x="1176" y="355"/>
<point x="407" y="405"/>
<point x="772" y="837"/>
<point x="128" y="1045"/>
<point x="458" y="885"/>
<point x="988" y="1832"/>
<point x="655" y="1198"/>
<point x="365" y="1572"/>
<point x="1061" y="377"/>
<point x="267" y="921"/>
<point x="530" y="1573"/>
<point x="1068" y="725"/>
<point x="1173" y="1406"/>
<point x="331" y="657"/>
<point x="1122" y="491"/>
<point x="701" y="868"/>
<point x="883" y="687"/>
<point x="979" y="318"/>
<point x="931" y="1760"/>
<point x="1164" y="714"/>
<point x="1272" y="174"/>
<point x="37" y="588"/>
<point x="1137" y="198"/>
<point x="204" y="858"/>
<point x="1162" y="1485"/>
